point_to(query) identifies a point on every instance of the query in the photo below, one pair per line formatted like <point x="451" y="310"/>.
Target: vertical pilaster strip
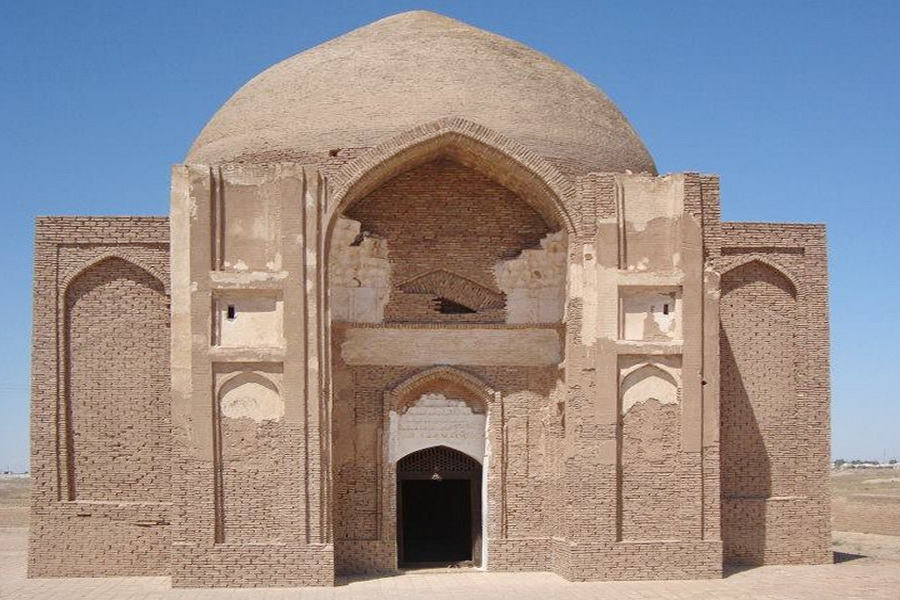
<point x="293" y="244"/>
<point x="710" y="390"/>
<point x="816" y="386"/>
<point x="325" y="371"/>
<point x="693" y="307"/>
<point x="591" y="402"/>
<point x="712" y="242"/>
<point x="313" y="363"/>
<point x="203" y="398"/>
<point x="194" y="479"/>
<point x="49" y="466"/>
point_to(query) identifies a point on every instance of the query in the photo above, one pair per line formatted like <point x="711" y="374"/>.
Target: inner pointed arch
<point x="520" y="170"/>
<point x="477" y="393"/>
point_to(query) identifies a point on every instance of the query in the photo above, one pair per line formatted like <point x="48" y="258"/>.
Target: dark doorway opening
<point x="437" y="521"/>
<point x="438" y="508"/>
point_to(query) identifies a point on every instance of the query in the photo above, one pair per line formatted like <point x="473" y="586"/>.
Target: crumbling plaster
<point x="435" y="420"/>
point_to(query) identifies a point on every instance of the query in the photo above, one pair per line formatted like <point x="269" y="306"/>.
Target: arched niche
<point x="116" y="421"/>
<point x="250" y="447"/>
<point x="648" y="382"/>
<point x="650" y="434"/>
<point x="66" y="281"/>
<point x="758" y="315"/>
<point x="250" y="396"/>
<point x="756" y="268"/>
<point x="441" y="378"/>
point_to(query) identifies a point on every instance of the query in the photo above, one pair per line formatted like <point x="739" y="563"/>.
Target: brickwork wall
<point x="519" y="554"/>
<point x="358" y="508"/>
<point x="633" y="496"/>
<point x="101" y="506"/>
<point x="253" y="565"/>
<point x="774" y="394"/>
<point x="259" y="481"/>
<point x="430" y="216"/>
<point x="637" y="560"/>
<point x="640" y="516"/>
<point x="657" y="479"/>
<point x="251" y="468"/>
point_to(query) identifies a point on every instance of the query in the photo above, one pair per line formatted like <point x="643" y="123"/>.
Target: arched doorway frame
<point x="481" y="398"/>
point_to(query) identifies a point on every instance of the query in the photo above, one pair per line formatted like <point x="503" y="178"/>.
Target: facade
<point x="423" y="299"/>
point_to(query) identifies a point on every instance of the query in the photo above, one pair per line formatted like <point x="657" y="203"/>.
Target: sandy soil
<point x="865" y="544"/>
<point x="14" y="500"/>
<point x="851" y="482"/>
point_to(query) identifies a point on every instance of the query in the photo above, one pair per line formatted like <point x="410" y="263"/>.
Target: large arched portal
<point x="438" y="508"/>
<point x="446" y="273"/>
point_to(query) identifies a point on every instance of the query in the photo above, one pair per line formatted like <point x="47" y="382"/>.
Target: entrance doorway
<point x="438" y="508"/>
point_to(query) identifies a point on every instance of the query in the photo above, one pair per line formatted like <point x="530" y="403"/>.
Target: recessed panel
<point x="249" y="320"/>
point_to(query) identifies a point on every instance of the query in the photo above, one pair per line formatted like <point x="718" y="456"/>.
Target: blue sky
<point x="795" y="104"/>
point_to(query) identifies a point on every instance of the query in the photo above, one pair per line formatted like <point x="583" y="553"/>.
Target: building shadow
<point x="343" y="580"/>
<point x="842" y="557"/>
<point x="745" y="468"/>
<point x="732" y="569"/>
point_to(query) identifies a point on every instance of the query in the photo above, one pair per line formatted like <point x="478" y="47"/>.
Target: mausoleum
<point x="422" y="299"/>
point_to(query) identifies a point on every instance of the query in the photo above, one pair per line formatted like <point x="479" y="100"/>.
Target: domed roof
<point x="362" y="88"/>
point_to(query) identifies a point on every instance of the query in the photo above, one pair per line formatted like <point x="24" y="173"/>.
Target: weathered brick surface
<point x="587" y="561"/>
<point x="657" y="479"/>
<point x="100" y="412"/>
<point x="774" y="394"/>
<point x="252" y="565"/>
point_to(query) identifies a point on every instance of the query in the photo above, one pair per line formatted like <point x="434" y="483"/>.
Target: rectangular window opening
<point x="230" y="312"/>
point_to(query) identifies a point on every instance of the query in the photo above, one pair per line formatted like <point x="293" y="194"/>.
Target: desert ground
<point x="14" y="500"/>
<point x="865" y="512"/>
<point x="866" y="542"/>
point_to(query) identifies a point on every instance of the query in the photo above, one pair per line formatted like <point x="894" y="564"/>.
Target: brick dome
<point x="381" y="80"/>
